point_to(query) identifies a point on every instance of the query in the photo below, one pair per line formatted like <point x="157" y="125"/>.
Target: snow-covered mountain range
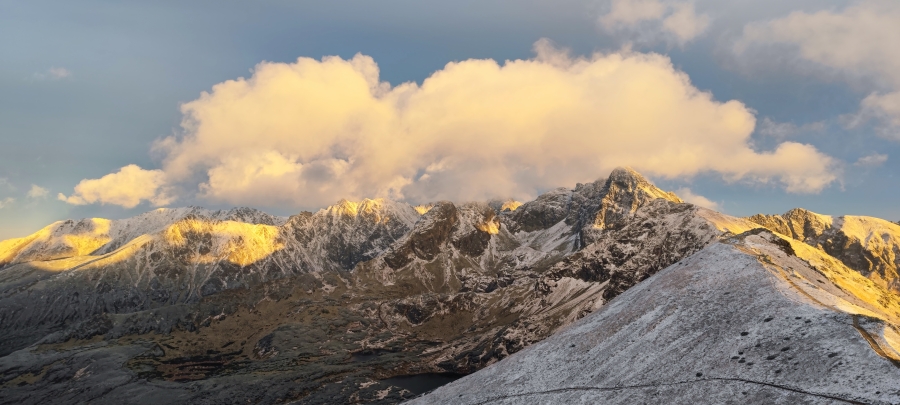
<point x="372" y="301"/>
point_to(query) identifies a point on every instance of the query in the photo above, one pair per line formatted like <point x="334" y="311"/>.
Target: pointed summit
<point x="626" y="191"/>
<point x="344" y="207"/>
<point x="625" y="174"/>
<point x="632" y="182"/>
<point x="797" y="223"/>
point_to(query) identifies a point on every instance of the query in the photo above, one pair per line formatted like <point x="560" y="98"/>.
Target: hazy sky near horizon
<point x="109" y="109"/>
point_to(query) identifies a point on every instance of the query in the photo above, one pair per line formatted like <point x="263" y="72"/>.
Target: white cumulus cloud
<point x="308" y="133"/>
<point x="6" y="202"/>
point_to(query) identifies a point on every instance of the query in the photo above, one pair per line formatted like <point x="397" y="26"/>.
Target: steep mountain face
<point x="360" y="302"/>
<point x="752" y="319"/>
<point x="868" y="245"/>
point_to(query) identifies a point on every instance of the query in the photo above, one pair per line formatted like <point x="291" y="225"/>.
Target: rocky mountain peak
<point x="798" y="223"/>
<point x="373" y="210"/>
<point x="589" y="209"/>
<point x="805" y="223"/>
<point x="626" y="191"/>
<point x="343" y="207"/>
<point x="626" y="175"/>
<point x="624" y="180"/>
<point x="427" y="237"/>
<point x="545" y="211"/>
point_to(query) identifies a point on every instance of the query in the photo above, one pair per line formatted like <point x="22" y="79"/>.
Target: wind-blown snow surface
<point x="748" y="320"/>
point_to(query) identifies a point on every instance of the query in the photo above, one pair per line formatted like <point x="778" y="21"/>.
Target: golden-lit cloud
<point x="128" y="187"/>
<point x="308" y="133"/>
<point x="857" y="43"/>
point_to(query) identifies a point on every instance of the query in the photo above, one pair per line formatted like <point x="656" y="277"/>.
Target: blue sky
<point x="88" y="88"/>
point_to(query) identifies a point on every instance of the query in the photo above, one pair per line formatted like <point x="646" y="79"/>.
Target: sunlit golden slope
<point x="871" y="246"/>
<point x="827" y="280"/>
<point x="726" y="223"/>
<point x="237" y="242"/>
<point x="208" y="241"/>
<point x="58" y="240"/>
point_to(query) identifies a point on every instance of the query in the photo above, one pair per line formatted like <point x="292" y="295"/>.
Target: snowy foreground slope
<point x="756" y="318"/>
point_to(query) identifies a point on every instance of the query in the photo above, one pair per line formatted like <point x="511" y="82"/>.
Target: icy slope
<point x="754" y="319"/>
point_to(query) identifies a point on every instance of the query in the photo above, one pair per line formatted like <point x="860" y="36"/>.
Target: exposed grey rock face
<point x="339" y="237"/>
<point x="427" y="239"/>
<point x="749" y="320"/>
<point x="658" y="235"/>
